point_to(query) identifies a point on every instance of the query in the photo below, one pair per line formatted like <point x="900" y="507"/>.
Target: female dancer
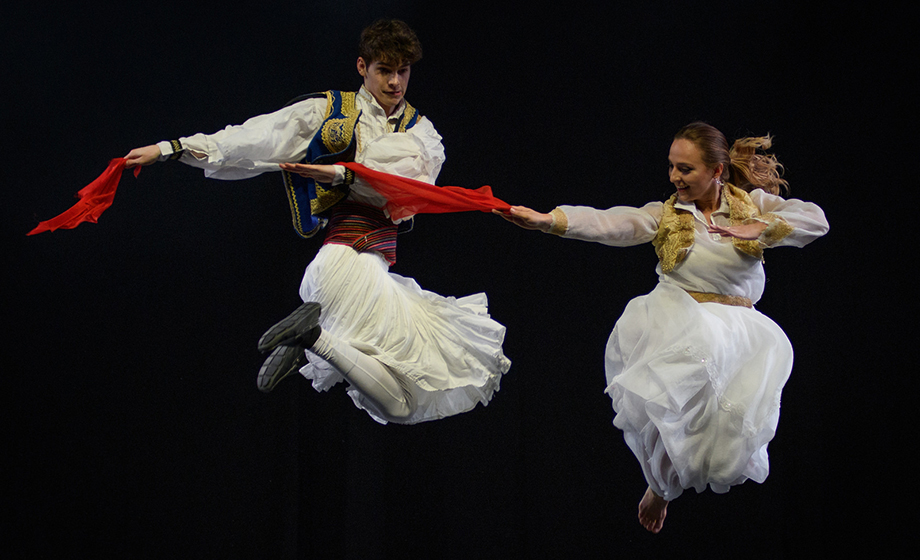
<point x="694" y="371"/>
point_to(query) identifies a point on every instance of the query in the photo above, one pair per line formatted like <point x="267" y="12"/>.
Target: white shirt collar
<point x="372" y="102"/>
<point x="724" y="207"/>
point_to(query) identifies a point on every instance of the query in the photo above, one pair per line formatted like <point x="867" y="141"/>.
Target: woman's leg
<point x="652" y="511"/>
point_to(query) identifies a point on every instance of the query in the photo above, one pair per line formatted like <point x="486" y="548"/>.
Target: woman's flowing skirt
<point x="696" y="389"/>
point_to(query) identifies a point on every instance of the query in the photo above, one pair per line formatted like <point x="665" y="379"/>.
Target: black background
<point x="133" y="423"/>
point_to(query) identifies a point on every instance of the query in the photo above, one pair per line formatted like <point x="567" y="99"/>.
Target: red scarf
<point x="95" y="198"/>
<point x="405" y="197"/>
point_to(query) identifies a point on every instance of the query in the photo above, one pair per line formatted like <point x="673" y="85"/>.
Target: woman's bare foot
<point x="652" y="511"/>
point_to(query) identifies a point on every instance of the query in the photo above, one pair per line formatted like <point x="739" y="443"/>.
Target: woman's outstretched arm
<point x="527" y="218"/>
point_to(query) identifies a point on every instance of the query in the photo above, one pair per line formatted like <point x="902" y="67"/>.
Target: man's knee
<point x="401" y="409"/>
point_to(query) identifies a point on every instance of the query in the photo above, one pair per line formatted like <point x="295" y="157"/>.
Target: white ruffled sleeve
<point x="258" y="145"/>
<point x="790" y="222"/>
<point x="416" y="154"/>
<point x="620" y="226"/>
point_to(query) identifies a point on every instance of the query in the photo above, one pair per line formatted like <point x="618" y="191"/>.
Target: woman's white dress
<point x="696" y="386"/>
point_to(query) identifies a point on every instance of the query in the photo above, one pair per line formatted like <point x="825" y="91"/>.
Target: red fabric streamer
<point x="95" y="198"/>
<point x="406" y="197"/>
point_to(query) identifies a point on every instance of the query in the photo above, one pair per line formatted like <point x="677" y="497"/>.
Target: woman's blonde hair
<point x="743" y="165"/>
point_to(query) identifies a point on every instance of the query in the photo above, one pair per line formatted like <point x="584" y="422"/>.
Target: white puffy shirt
<point x="261" y="143"/>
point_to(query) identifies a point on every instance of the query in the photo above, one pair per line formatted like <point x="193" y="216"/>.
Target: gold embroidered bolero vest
<point x="677" y="228"/>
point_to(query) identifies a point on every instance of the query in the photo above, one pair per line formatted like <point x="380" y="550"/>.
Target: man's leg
<point x="391" y="393"/>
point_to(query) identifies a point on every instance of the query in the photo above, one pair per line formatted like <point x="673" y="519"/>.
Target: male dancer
<point x="409" y="355"/>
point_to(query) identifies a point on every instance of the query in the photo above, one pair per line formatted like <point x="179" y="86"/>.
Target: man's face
<point x="386" y="82"/>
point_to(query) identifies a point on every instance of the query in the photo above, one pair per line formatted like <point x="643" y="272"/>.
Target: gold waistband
<point x="705" y="297"/>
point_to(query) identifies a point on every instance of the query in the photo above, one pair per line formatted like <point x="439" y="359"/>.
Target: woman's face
<point x="695" y="182"/>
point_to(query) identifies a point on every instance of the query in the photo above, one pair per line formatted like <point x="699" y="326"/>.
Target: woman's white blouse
<point x="713" y="264"/>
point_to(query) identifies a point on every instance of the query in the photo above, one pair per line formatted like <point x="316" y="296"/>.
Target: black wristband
<point x="349" y="177"/>
<point x="177" y="149"/>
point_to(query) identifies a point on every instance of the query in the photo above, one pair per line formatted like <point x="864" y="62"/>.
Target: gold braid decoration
<point x="408" y="114"/>
<point x="176" y="148"/>
<point x="706" y="297"/>
<point x="674" y="237"/>
<point x="560" y="222"/>
<point x="337" y="135"/>
<point x="776" y="231"/>
<point x="328" y="105"/>
<point x="741" y="211"/>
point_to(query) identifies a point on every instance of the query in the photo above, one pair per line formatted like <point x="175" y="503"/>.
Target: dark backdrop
<point x="133" y="423"/>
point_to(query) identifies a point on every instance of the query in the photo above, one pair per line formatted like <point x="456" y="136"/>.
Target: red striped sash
<point x="363" y="228"/>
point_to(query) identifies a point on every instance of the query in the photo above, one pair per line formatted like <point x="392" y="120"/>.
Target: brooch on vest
<point x="676" y="229"/>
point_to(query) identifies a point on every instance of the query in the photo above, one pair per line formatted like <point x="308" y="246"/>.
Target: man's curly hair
<point x="389" y="41"/>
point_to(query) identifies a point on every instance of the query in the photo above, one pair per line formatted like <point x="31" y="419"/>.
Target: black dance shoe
<point x="282" y="362"/>
<point x="300" y="328"/>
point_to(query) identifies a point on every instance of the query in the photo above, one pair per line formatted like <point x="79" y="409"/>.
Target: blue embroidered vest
<point x="334" y="142"/>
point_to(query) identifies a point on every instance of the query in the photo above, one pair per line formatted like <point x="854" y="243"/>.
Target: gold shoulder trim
<point x="408" y="115"/>
<point x="328" y="105"/>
